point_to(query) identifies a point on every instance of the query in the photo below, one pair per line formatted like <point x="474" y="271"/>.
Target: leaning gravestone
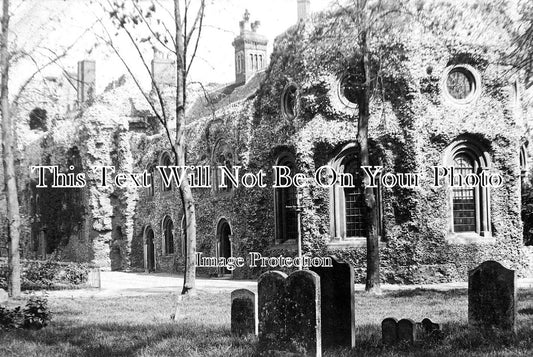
<point x="407" y="331"/>
<point x="492" y="297"/>
<point x="337" y="304"/>
<point x="389" y="331"/>
<point x="289" y="312"/>
<point x="243" y="312"/>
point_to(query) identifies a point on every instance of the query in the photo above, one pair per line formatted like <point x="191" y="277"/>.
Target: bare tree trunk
<point x="372" y="242"/>
<point x="13" y="214"/>
<point x="189" y="280"/>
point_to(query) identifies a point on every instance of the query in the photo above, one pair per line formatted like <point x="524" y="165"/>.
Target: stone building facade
<point x="441" y="99"/>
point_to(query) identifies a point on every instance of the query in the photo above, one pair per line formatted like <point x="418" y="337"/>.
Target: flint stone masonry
<point x="243" y="312"/>
<point x="337" y="304"/>
<point x="492" y="297"/>
<point x="289" y="312"/>
<point x="389" y="331"/>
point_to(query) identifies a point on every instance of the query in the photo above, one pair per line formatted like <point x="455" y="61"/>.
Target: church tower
<point x="250" y="50"/>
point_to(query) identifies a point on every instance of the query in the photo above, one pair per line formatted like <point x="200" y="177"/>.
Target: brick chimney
<point x="304" y="8"/>
<point x="86" y="81"/>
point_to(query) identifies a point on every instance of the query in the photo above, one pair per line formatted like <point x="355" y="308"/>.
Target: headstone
<point x="271" y="309"/>
<point x="4" y="297"/>
<point x="243" y="312"/>
<point x="389" y="331"/>
<point x="492" y="297"/>
<point x="303" y="324"/>
<point x="430" y="328"/>
<point x="337" y="304"/>
<point x="289" y="313"/>
<point x="407" y="331"/>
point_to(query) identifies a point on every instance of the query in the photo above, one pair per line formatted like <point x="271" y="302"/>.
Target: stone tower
<point x="250" y="50"/>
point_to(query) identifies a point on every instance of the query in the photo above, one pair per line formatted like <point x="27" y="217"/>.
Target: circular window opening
<point x="461" y="84"/>
<point x="350" y="89"/>
<point x="289" y="101"/>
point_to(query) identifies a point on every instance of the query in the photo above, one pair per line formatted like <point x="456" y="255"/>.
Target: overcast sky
<point x="55" y="24"/>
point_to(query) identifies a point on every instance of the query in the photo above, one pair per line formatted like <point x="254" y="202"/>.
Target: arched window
<point x="285" y="203"/>
<point x="168" y="235"/>
<point x="349" y="216"/>
<point x="470" y="205"/>
<point x="166" y="161"/>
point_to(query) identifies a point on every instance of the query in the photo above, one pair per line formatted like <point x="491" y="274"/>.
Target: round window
<point x="289" y="101"/>
<point x="461" y="84"/>
<point x="350" y="89"/>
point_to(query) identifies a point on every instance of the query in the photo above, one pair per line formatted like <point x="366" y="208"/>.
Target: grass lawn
<point x="141" y="326"/>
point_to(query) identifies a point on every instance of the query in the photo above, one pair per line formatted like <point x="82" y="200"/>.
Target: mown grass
<point x="141" y="326"/>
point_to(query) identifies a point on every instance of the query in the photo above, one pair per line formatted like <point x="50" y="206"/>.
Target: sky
<point x="46" y="26"/>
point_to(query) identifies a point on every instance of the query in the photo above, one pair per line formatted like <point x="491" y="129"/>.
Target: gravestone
<point x="492" y="297"/>
<point x="337" y="304"/>
<point x="389" y="331"/>
<point x="271" y="309"/>
<point x="430" y="328"/>
<point x="243" y="312"/>
<point x="303" y="311"/>
<point x="407" y="330"/>
<point x="289" y="313"/>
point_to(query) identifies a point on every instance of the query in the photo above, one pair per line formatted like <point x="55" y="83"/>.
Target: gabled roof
<point x="224" y="96"/>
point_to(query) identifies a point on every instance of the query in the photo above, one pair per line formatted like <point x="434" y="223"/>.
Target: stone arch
<point x="469" y="207"/>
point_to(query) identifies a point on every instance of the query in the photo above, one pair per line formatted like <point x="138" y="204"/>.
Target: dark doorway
<point x="150" y="250"/>
<point x="224" y="244"/>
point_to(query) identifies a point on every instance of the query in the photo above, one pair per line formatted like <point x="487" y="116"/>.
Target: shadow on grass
<point x="118" y="339"/>
<point x="428" y="293"/>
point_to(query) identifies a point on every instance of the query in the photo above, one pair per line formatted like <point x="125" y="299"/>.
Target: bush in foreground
<point x="34" y="316"/>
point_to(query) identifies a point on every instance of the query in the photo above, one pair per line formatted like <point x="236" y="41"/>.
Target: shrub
<point x="47" y="274"/>
<point x="36" y="313"/>
<point x="74" y="273"/>
<point x="34" y="316"/>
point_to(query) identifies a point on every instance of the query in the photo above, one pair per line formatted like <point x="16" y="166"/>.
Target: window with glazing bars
<point x="464" y="198"/>
<point x="354" y="200"/>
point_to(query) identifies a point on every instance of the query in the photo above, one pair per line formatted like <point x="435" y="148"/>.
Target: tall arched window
<point x="166" y="161"/>
<point x="168" y="235"/>
<point x="354" y="200"/>
<point x="285" y="201"/>
<point x="349" y="214"/>
<point x="464" y="198"/>
<point x="470" y="205"/>
<point x="348" y="211"/>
